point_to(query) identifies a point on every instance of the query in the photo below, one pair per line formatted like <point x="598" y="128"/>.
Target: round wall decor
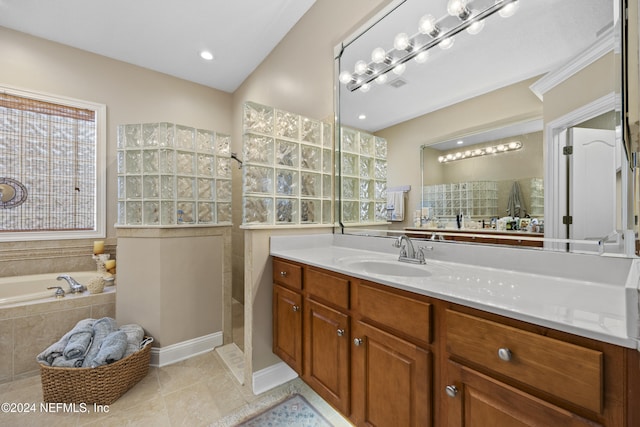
<point x="12" y="193"/>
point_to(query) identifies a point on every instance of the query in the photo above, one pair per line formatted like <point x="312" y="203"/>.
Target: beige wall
<point x="171" y="281"/>
<point x="504" y="106"/>
<point x="131" y="94"/>
<point x="297" y="77"/>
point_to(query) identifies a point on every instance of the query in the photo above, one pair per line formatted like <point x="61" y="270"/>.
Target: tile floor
<point x="200" y="391"/>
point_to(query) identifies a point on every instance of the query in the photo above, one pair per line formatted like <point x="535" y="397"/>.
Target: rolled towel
<point x="63" y="362"/>
<point x="135" y="335"/>
<point x="57" y="349"/>
<point x="101" y="329"/>
<point x="112" y="349"/>
<point x="78" y="344"/>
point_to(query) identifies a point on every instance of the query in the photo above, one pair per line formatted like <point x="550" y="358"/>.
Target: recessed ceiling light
<point x="362" y="116"/>
<point x="460" y="142"/>
<point x="205" y="54"/>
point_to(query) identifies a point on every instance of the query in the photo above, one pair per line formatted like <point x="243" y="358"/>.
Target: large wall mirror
<point x="502" y="117"/>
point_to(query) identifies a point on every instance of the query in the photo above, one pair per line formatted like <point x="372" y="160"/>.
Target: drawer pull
<point x="505" y="354"/>
<point x="357" y="342"/>
<point x="296" y="308"/>
<point x="283" y="273"/>
<point x="340" y="332"/>
<point x="452" y="390"/>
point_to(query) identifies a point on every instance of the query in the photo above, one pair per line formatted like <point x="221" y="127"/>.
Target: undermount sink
<point x="387" y="268"/>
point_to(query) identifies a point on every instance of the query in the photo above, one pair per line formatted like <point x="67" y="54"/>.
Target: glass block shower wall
<point x="364" y="177"/>
<point x="171" y="174"/>
<point x="288" y="168"/>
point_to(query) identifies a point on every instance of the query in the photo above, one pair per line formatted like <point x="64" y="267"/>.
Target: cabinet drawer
<point x="287" y="274"/>
<point x="328" y="287"/>
<point x="405" y="316"/>
<point x="567" y="371"/>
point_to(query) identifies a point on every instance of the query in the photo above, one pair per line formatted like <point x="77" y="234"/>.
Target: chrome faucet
<point x="73" y="285"/>
<point x="407" y="252"/>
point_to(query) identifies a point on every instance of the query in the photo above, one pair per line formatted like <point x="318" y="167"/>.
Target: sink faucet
<point x="75" y="286"/>
<point x="407" y="252"/>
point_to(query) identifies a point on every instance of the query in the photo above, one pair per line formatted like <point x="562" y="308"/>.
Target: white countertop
<point x="605" y="310"/>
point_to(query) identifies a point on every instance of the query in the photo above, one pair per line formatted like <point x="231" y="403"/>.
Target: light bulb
<point x="382" y="79"/>
<point x="361" y="67"/>
<point x="401" y="41"/>
<point x="427" y="25"/>
<point x="345" y="77"/>
<point x="467" y="153"/>
<point x="509" y="9"/>
<point x="378" y="55"/>
<point x="458" y="8"/>
<point x="399" y="69"/>
<point x="501" y="147"/>
<point x="206" y="55"/>
<point x="365" y="87"/>
<point x="458" y="155"/>
<point x="476" y="27"/>
<point x="477" y="152"/>
<point x="441" y="159"/>
<point x="446" y="43"/>
<point x="449" y="157"/>
<point x="422" y="57"/>
<point x="515" y="145"/>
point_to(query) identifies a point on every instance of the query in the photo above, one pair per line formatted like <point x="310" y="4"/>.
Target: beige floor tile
<point x="199" y="391"/>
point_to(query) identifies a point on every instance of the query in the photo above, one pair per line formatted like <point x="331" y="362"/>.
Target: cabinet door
<point x="391" y="380"/>
<point x="287" y="326"/>
<point x="327" y="354"/>
<point x="474" y="399"/>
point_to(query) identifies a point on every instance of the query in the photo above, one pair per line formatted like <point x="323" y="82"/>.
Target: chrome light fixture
<point x="430" y="34"/>
<point x="478" y="152"/>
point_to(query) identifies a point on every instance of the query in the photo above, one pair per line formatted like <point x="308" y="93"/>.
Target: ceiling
<point x="541" y="36"/>
<point x="165" y="35"/>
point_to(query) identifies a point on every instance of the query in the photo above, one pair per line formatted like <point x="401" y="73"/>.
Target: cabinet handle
<point x="451" y="390"/>
<point x="283" y="273"/>
<point x="296" y="308"/>
<point x="357" y="342"/>
<point x="505" y="354"/>
<point x="340" y="332"/>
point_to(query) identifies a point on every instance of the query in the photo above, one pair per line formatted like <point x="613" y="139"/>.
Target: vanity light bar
<point x="494" y="149"/>
<point x="365" y="73"/>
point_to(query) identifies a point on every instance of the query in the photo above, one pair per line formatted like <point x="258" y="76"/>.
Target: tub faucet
<point x="75" y="286"/>
<point x="407" y="252"/>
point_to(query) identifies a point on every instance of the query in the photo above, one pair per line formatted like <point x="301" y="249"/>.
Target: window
<point x="52" y="172"/>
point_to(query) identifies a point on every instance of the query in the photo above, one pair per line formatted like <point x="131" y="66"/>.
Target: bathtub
<point x="32" y="318"/>
<point x="23" y="289"/>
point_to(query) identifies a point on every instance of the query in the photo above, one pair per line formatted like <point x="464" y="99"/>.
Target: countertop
<point x="595" y="309"/>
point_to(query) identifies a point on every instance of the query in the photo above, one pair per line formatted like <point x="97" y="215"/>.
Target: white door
<point x="592" y="185"/>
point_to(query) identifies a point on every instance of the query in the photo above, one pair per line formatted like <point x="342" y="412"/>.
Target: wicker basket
<point x="102" y="385"/>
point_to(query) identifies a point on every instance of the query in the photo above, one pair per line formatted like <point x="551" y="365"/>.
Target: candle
<point x="109" y="264"/>
<point x="98" y="247"/>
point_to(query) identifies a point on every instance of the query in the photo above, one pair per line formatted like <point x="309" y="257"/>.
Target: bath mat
<point x="294" y="411"/>
<point x="233" y="357"/>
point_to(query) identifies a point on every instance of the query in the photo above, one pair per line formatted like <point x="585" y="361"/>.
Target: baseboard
<point x="184" y="350"/>
<point x="271" y="377"/>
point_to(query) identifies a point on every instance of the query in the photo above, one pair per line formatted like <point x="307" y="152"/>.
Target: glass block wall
<point x="288" y="168"/>
<point x="171" y="174"/>
<point x="364" y="177"/>
<point x="473" y="198"/>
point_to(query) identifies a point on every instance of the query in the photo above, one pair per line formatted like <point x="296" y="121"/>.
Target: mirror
<point x="538" y="77"/>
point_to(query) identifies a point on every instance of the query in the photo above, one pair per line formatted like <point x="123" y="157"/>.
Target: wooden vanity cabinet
<point x="500" y="372"/>
<point x="326" y="337"/>
<point x="287" y="313"/>
<point x="475" y="399"/>
<point x="389" y="357"/>
<point x="391" y="363"/>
